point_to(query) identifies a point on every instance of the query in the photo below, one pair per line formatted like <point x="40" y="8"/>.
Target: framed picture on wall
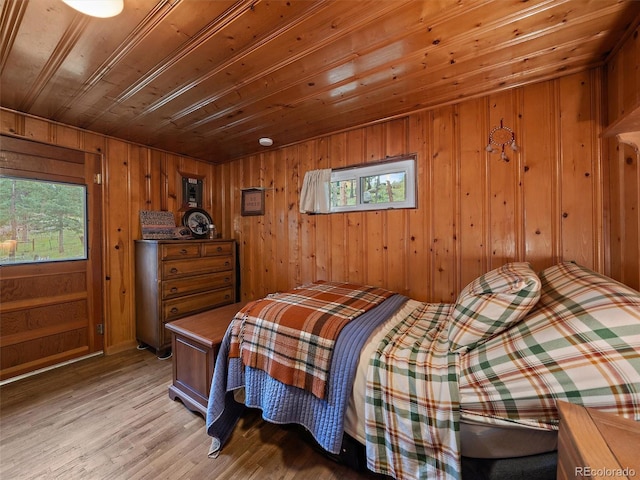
<point x="252" y="202"/>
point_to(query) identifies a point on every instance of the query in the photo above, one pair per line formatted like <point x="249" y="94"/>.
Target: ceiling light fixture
<point x="97" y="8"/>
<point x="265" y="142"/>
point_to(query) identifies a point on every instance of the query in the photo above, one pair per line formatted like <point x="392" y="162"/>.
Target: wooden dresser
<point x="596" y="445"/>
<point x="176" y="278"/>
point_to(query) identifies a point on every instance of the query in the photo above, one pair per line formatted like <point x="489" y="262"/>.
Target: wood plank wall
<point x="623" y="168"/>
<point x="135" y="178"/>
<point x="548" y="203"/>
<point x="475" y="211"/>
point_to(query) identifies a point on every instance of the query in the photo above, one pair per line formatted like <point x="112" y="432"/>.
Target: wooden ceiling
<point x="207" y="79"/>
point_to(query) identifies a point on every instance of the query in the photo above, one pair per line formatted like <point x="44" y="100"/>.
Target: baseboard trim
<point x="50" y="367"/>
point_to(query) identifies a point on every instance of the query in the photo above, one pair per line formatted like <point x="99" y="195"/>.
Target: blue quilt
<point x="280" y="403"/>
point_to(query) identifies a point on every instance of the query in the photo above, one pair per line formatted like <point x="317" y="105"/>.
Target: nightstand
<point x="195" y="341"/>
<point x="597" y="445"/>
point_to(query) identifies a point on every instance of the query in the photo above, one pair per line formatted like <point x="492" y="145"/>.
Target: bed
<point x="432" y="389"/>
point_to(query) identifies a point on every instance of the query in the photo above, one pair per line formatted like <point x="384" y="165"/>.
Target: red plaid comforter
<point x="291" y="335"/>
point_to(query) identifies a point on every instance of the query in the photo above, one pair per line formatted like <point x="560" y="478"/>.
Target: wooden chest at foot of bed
<point x="195" y="341"/>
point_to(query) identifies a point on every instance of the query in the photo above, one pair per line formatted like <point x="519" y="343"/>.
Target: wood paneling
<point x="540" y="175"/>
<point x="475" y="211"/>
<point x="622" y="170"/>
<point x="207" y="78"/>
<point x="135" y="178"/>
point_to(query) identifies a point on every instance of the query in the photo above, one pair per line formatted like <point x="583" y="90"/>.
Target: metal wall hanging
<point x="499" y="138"/>
<point x="192" y="192"/>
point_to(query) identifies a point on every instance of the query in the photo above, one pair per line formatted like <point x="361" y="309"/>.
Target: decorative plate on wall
<point x="197" y="221"/>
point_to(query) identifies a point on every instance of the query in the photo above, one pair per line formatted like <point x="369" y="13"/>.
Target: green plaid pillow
<point x="492" y="303"/>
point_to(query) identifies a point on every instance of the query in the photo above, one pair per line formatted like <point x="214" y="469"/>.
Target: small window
<point x="42" y="221"/>
<point x="378" y="186"/>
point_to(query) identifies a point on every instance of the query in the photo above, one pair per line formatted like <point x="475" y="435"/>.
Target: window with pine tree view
<point x="41" y="221"/>
<point x="382" y="185"/>
<point x="387" y="188"/>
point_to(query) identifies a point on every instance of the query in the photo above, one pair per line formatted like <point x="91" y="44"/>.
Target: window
<point x="41" y="221"/>
<point x="378" y="186"/>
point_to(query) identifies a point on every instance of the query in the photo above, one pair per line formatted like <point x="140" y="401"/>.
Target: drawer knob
<point x="174" y="289"/>
<point x="219" y="248"/>
<point x="227" y="279"/>
<point x="183" y="251"/>
<point x="174" y="310"/>
<point x="174" y="270"/>
<point x="226" y="264"/>
<point x="227" y="296"/>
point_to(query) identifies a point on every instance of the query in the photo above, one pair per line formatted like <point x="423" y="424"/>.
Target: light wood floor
<point x="111" y="418"/>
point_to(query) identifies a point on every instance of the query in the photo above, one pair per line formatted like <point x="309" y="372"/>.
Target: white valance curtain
<point x="314" y="197"/>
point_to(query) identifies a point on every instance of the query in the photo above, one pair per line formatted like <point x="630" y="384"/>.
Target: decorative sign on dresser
<point x="176" y="278"/>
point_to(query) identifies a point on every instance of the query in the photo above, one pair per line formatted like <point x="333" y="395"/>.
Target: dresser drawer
<point x="194" y="284"/>
<point x="179" y="307"/>
<point x="182" y="250"/>
<point x="179" y="268"/>
<point x="211" y="249"/>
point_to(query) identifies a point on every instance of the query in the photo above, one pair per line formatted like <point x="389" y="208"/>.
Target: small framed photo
<point x="252" y="202"/>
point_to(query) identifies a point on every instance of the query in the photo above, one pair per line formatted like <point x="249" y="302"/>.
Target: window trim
<point x="404" y="163"/>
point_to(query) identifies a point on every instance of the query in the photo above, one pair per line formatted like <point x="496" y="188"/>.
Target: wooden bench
<point x="195" y="341"/>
